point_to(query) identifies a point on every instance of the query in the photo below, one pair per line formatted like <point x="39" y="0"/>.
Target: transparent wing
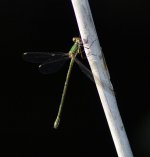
<point x="52" y="66"/>
<point x="40" y="57"/>
<point x="85" y="70"/>
<point x="89" y="74"/>
<point x="49" y="62"/>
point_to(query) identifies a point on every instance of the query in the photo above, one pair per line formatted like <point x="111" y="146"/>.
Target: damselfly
<point x="52" y="62"/>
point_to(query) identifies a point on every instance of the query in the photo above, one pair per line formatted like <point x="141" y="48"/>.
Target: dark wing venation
<point x="52" y="66"/>
<point x="89" y="74"/>
<point x="85" y="70"/>
<point x="40" y="57"/>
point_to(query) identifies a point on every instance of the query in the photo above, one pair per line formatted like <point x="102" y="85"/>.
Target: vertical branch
<point x="100" y="71"/>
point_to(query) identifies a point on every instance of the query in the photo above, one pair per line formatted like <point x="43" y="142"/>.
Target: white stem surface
<point x="101" y="75"/>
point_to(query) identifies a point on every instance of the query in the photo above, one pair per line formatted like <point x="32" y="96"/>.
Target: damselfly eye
<point x="77" y="40"/>
<point x="73" y="39"/>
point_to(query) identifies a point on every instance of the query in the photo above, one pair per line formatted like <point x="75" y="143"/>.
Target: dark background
<point x="29" y="100"/>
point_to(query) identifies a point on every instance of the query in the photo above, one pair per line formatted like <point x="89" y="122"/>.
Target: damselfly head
<point x="77" y="40"/>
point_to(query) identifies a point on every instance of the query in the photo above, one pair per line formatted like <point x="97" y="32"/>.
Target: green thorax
<point x="74" y="48"/>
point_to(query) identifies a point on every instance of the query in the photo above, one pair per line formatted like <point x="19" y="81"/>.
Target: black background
<point x="29" y="100"/>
